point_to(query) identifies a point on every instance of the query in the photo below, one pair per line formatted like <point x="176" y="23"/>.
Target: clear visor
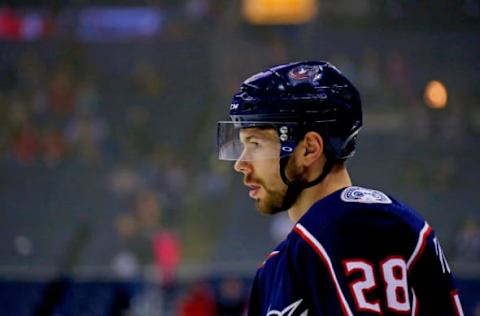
<point x="249" y="141"/>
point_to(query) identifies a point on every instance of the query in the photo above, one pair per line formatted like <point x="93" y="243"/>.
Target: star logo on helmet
<point x="306" y="72"/>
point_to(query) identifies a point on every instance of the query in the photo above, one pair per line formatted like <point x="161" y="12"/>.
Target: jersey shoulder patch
<point x="363" y="195"/>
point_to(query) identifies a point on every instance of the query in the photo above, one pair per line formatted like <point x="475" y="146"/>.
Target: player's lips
<point x="253" y="190"/>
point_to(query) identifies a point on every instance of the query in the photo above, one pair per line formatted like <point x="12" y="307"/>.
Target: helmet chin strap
<point x="294" y="188"/>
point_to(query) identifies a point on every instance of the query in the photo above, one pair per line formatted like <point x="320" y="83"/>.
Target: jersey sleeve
<point x="434" y="292"/>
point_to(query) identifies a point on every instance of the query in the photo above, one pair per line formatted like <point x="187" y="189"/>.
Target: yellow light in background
<point x="278" y="12"/>
<point x="436" y="95"/>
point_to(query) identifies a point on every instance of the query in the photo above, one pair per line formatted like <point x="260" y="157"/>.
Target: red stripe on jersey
<point x="318" y="248"/>
<point x="421" y="243"/>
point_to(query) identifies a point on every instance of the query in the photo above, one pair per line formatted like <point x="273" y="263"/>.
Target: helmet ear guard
<point x="339" y="149"/>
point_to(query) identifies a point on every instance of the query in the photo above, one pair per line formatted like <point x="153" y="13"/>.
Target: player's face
<point x="261" y="170"/>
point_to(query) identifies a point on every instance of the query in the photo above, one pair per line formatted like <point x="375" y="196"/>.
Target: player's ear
<point x="313" y="143"/>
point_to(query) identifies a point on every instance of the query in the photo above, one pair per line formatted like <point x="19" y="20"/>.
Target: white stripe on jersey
<point x="414" y="304"/>
<point x="420" y="244"/>
<point x="304" y="233"/>
<point x="458" y="305"/>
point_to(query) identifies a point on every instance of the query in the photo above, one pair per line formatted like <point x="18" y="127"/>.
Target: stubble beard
<point x="281" y="199"/>
<point x="272" y="203"/>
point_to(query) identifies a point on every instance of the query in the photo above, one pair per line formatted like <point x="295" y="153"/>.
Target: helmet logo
<point x="306" y="72"/>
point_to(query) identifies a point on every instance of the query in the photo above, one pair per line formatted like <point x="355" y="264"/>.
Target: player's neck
<point x="337" y="178"/>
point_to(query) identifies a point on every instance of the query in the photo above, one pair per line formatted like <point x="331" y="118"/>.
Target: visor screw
<point x="283" y="133"/>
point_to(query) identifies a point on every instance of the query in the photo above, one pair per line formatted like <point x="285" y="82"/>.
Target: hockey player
<point x="353" y="250"/>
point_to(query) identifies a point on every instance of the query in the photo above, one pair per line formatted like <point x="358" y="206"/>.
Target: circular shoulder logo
<point x="362" y="195"/>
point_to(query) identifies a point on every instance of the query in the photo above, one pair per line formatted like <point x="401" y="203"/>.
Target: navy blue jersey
<point x="356" y="252"/>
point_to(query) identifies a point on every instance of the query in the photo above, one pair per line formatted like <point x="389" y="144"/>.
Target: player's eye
<point x="254" y="145"/>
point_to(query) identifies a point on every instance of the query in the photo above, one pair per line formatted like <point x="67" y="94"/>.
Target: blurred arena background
<point x="112" y="201"/>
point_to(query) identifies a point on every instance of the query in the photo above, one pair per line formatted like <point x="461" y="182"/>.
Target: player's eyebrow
<point x="249" y="138"/>
<point x="258" y="133"/>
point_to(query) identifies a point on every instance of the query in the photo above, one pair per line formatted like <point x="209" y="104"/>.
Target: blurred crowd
<point x="54" y="112"/>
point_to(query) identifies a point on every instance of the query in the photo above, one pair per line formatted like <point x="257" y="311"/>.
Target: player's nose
<point x="242" y="166"/>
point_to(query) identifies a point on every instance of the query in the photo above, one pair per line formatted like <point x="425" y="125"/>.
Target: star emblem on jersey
<point x="362" y="195"/>
<point x="289" y="310"/>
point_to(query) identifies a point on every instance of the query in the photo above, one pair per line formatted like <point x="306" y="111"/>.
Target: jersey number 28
<point x="393" y="271"/>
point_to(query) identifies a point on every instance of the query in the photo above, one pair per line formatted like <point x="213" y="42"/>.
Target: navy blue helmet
<point x="296" y="98"/>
